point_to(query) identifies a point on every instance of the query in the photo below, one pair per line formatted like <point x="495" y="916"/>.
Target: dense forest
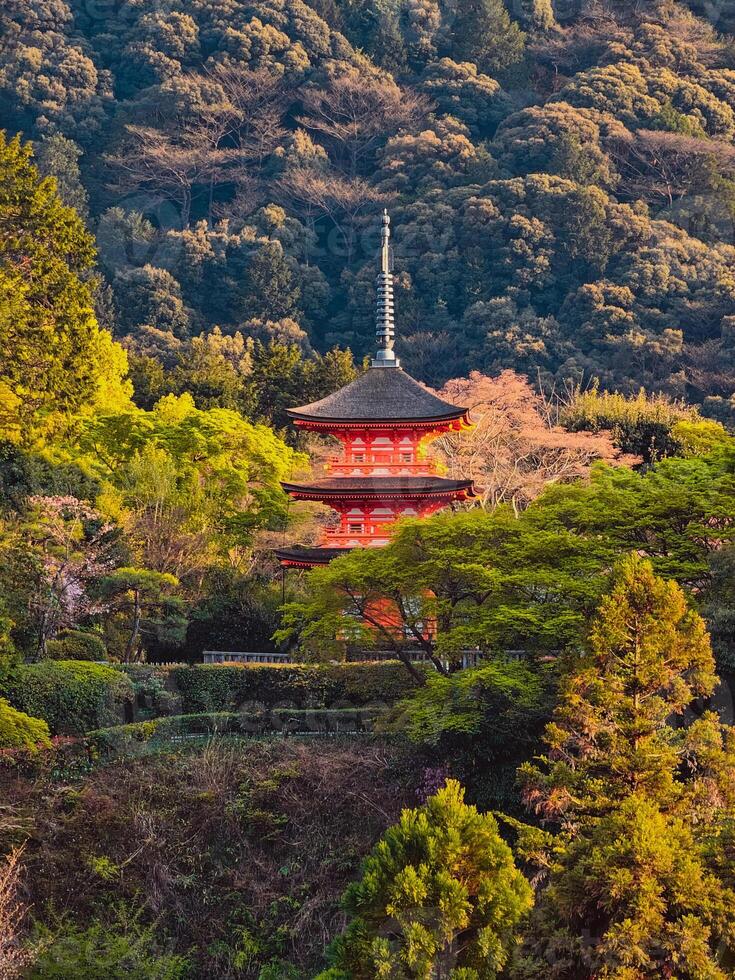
<point x="544" y="784"/>
<point x="561" y="180"/>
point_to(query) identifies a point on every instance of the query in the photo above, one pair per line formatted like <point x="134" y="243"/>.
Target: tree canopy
<point x="561" y="185"/>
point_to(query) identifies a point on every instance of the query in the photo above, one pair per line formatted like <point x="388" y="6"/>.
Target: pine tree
<point x="639" y="795"/>
<point x="270" y="289"/>
<point x="47" y="321"/>
<point x="485" y="34"/>
<point x="439" y="896"/>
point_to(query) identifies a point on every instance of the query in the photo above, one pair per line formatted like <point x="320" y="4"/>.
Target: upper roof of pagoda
<point x="384" y="393"/>
<point x="380" y="395"/>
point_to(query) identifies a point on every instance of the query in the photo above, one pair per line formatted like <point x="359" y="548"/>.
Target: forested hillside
<point x="561" y="180"/>
<point x="501" y="744"/>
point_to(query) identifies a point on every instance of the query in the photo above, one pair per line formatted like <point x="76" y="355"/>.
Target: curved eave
<point x="372" y="493"/>
<point x="457" y="422"/>
<point x="308" y="557"/>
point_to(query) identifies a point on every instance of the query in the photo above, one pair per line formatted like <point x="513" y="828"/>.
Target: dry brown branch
<point x="664" y="166"/>
<point x="315" y="194"/>
<point x="14" y="956"/>
<point x="356" y="111"/>
<point x="156" y="162"/>
<point x="257" y="101"/>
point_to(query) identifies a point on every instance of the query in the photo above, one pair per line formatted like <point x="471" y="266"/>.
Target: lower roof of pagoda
<point x="380" y="488"/>
<point x="308" y="557"/>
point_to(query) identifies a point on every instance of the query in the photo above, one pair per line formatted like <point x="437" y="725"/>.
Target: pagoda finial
<point x="385" y="327"/>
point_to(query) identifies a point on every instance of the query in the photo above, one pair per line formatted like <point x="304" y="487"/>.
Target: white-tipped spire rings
<point x="385" y="327"/>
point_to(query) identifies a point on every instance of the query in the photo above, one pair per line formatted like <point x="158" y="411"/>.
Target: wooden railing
<point x="470" y="658"/>
<point x="227" y="656"/>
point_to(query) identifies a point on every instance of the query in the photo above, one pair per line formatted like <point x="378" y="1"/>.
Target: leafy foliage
<point x="563" y="187"/>
<point x="70" y="696"/>
<point x="125" y="948"/>
<point x="440" y="890"/>
<point x="19" y="731"/>
<point x="223" y="687"/>
<point x="633" y="860"/>
<point x="187" y="484"/>
<point x="46" y="306"/>
<point x="76" y="645"/>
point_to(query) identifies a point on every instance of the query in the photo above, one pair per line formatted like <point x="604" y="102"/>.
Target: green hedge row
<point x="133" y="738"/>
<point x="71" y="696"/>
<point x="228" y="687"/>
<point x="74" y="697"/>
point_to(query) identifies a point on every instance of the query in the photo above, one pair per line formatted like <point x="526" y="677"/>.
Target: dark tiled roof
<point x="380" y="393"/>
<point x="310" y="556"/>
<point x="377" y="486"/>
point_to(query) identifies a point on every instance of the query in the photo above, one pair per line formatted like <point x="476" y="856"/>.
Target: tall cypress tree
<point x="49" y="338"/>
<point x="640" y="795"/>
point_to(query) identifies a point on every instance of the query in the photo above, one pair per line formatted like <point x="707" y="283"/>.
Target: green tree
<point x="188" y="486"/>
<point x="58" y="157"/>
<point x="638" y="792"/>
<point x="483" y="33"/>
<point x="46" y="309"/>
<point x="487" y="582"/>
<point x="460" y="90"/>
<point x="145" y="604"/>
<point x="677" y="513"/>
<point x="53" y="553"/>
<point x="642" y="424"/>
<point x="150" y="297"/>
<point x="538" y="14"/>
<point x="439" y="895"/>
<point x="214" y="368"/>
<point x="281" y="377"/>
<point x="719" y="607"/>
<point x="485" y="721"/>
<point x="270" y="288"/>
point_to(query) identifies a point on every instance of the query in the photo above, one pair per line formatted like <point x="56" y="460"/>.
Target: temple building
<point x="383" y="420"/>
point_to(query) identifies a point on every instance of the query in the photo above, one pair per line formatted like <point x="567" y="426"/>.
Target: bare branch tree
<point x="516" y="448"/>
<point x="155" y="161"/>
<point x="664" y="166"/>
<point x="314" y="194"/>
<point x="258" y="100"/>
<point x="356" y="112"/>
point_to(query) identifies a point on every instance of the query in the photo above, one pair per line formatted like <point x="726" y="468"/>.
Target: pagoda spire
<point x="385" y="326"/>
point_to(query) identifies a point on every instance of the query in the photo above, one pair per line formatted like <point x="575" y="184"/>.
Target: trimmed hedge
<point x="76" y="645"/>
<point x="19" y="731"/>
<point x="228" y="687"/>
<point x="71" y="696"/>
<point x="124" y="739"/>
<point x="132" y="739"/>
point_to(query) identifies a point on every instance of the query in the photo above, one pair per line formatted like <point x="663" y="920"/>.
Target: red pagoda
<point x="383" y="420"/>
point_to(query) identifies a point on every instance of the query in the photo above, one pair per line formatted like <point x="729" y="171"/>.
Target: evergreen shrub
<point x="155" y="690"/>
<point x="19" y="731"/>
<point x="76" y="645"/>
<point x="228" y="687"/>
<point x="123" y="949"/>
<point x="133" y="738"/>
<point x="71" y="696"/>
